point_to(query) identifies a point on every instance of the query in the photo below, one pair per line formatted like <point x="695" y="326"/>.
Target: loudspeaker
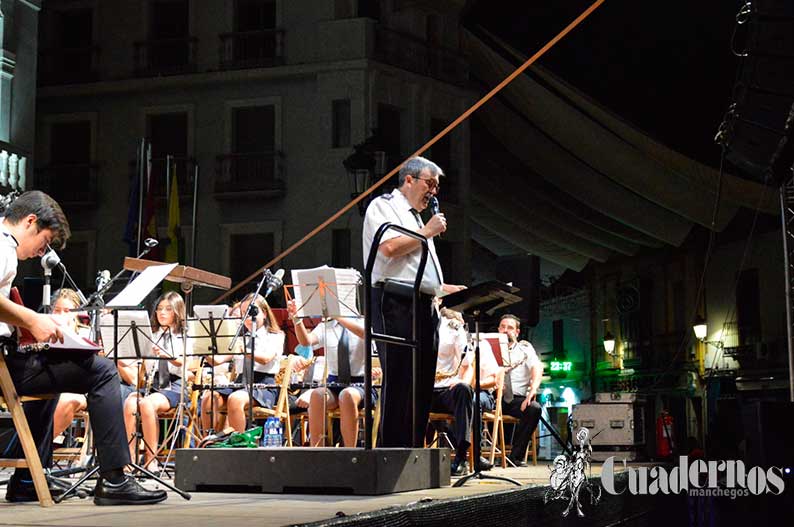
<point x="764" y="90"/>
<point x="524" y="272"/>
<point x="766" y="432"/>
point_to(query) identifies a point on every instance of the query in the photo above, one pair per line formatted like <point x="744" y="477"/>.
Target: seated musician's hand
<point x="292" y="308"/>
<point x="303" y="400"/>
<point x="44" y="328"/>
<point x="299" y="363"/>
<point x="451" y="288"/>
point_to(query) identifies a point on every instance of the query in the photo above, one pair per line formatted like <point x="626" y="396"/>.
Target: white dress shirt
<point x="329" y="339"/>
<point x="8" y="270"/>
<point x="395" y="208"/>
<point x="265" y="340"/>
<point x="524" y="354"/>
<point x="451" y="347"/>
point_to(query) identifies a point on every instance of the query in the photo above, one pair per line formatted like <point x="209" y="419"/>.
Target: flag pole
<point x="141" y="172"/>
<point x="193" y="250"/>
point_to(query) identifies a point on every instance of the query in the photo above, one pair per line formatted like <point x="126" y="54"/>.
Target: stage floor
<point x="249" y="509"/>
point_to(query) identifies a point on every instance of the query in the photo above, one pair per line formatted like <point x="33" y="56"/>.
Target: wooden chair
<point x="335" y="414"/>
<point x="281" y="408"/>
<point x="439" y="436"/>
<point x="192" y="426"/>
<point x="497" y="432"/>
<point x="13" y="402"/>
<point x="77" y="454"/>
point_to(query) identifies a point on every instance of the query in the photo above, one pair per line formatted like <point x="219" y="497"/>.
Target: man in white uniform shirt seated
<point x="524" y="371"/>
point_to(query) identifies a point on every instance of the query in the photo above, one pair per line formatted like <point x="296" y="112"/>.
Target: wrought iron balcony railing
<point x="255" y="173"/>
<point x="252" y="49"/>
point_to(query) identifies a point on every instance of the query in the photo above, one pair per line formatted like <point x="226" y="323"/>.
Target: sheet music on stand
<point x="135" y="292"/>
<point x="501" y="338"/>
<point x="132" y="325"/>
<point x="211" y="324"/>
<point x="340" y="294"/>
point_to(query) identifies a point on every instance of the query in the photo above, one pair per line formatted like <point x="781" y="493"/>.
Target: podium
<point x="486" y="297"/>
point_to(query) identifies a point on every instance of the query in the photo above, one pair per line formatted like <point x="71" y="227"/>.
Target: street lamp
<point x="609" y="343"/>
<point x="700" y="328"/>
<point x="366" y="160"/>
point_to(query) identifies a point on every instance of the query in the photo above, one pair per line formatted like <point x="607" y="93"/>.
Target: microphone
<point x="434" y="208"/>
<point x="102" y="278"/>
<point x="151" y="243"/>
<point x="274" y="282"/>
<point x="48" y="262"/>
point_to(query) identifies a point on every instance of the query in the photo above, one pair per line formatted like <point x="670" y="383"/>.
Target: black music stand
<point x="487" y="297"/>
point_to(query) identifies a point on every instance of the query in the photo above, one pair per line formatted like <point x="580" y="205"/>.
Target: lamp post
<point x="609" y="343"/>
<point x="366" y="161"/>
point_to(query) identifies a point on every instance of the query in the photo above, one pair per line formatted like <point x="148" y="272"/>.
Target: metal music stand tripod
<point x="135" y="334"/>
<point x="486" y="297"/>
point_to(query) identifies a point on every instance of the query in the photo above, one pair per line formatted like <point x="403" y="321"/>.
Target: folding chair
<point x="13" y="402"/>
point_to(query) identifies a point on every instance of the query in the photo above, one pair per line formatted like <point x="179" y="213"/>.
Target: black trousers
<point x="527" y="422"/>
<point x="57" y="372"/>
<point x="391" y="314"/>
<point x="458" y="401"/>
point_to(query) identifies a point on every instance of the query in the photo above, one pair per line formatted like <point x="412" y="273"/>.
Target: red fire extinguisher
<point x="664" y="435"/>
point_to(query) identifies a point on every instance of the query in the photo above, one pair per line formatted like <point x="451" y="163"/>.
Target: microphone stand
<point x="104" y="289"/>
<point x="267" y="276"/>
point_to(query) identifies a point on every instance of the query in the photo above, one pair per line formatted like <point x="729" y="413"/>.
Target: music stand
<point x="488" y="297"/>
<point x="325" y="292"/>
<point x="211" y="331"/>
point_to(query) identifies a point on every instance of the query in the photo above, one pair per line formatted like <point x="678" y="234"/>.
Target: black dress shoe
<point x="460" y="469"/>
<point x="485" y="464"/>
<point x="517" y="462"/>
<point x="20" y="490"/>
<point x="128" y="493"/>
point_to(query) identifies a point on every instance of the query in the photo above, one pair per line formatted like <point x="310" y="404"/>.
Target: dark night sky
<point x="665" y="66"/>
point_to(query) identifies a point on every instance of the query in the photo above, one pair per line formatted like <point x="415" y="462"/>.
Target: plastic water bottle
<point x="267" y="438"/>
<point x="278" y="435"/>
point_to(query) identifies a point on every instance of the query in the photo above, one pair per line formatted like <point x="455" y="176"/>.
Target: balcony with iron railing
<point x="262" y="48"/>
<point x="168" y="56"/>
<point x="71" y="184"/>
<point x="413" y="54"/>
<point x="69" y="65"/>
<point x="250" y="175"/>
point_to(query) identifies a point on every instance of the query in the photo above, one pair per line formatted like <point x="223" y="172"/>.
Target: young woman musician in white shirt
<point x="269" y="348"/>
<point x="165" y="376"/>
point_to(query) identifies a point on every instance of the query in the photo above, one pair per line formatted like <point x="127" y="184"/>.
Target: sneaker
<point x="130" y="492"/>
<point x="517" y="462"/>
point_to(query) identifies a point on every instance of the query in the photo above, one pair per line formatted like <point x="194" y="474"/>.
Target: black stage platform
<point x="312" y="470"/>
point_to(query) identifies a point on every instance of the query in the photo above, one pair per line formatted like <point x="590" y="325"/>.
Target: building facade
<point x="263" y="100"/>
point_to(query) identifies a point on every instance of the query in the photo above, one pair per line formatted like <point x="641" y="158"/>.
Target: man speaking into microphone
<point x="398" y="259"/>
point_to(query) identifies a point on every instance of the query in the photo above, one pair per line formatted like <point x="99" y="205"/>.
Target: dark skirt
<point x="357" y="383"/>
<point x="172" y="392"/>
<point x="263" y="397"/>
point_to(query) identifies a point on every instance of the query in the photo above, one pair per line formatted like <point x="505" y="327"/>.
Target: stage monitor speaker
<point x="522" y="271"/>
